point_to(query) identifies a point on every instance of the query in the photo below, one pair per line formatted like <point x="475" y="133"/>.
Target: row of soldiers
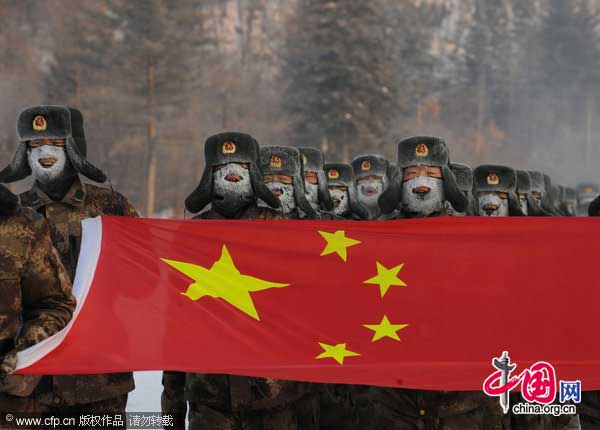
<point x="41" y="235"/>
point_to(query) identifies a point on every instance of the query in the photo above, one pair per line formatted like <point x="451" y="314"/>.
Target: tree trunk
<point x="151" y="157"/>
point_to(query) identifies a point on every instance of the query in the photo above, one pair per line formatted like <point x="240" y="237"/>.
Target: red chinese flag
<point x="412" y="303"/>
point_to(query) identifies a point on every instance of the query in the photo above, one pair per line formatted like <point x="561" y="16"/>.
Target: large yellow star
<point x="337" y="242"/>
<point x="223" y="280"/>
<point x="385" y="329"/>
<point x="337" y="352"/>
<point x="386" y="278"/>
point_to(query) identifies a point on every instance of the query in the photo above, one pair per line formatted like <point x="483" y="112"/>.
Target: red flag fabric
<point x="424" y="303"/>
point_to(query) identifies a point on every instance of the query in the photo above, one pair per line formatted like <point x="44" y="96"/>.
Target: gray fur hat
<point x="523" y="182"/>
<point x="423" y="151"/>
<point x="536" y="184"/>
<point x="286" y="160"/>
<point x="342" y="175"/>
<point x="536" y="180"/>
<point x="8" y="201"/>
<point x="370" y="165"/>
<point x="51" y="122"/>
<point x="313" y="161"/>
<point x="223" y="148"/>
<point x="551" y="196"/>
<point x="502" y="179"/>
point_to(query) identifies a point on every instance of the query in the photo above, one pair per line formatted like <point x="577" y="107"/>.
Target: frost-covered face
<point x="311" y="188"/>
<point x="283" y="188"/>
<point x="341" y="199"/>
<point x="232" y="187"/>
<point x="493" y="204"/>
<point x="48" y="159"/>
<point x="312" y="194"/>
<point x="523" y="203"/>
<point x="369" y="189"/>
<point x="423" y="195"/>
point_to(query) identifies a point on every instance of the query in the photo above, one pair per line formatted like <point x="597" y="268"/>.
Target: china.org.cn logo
<point x="538" y="388"/>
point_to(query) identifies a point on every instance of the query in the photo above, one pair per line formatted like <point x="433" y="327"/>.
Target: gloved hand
<point x="31" y="336"/>
<point x="9" y="363"/>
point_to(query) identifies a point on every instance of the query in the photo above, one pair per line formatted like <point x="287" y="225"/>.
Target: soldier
<point x="530" y="205"/>
<point x="524" y="191"/>
<point x="53" y="150"/>
<point x="340" y="181"/>
<point x="232" y="183"/>
<point x="315" y="183"/>
<point x="586" y="192"/>
<point x="372" y="177"/>
<point x="424" y="185"/>
<point x="36" y="299"/>
<point x="283" y="175"/>
<point x="537" y="194"/>
<point x="494" y="188"/>
<point x="550" y="197"/>
<point x="464" y="180"/>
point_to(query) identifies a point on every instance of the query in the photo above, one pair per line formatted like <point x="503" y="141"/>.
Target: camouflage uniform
<point x="36" y="299"/>
<point x="82" y="201"/>
<point x="589" y="410"/>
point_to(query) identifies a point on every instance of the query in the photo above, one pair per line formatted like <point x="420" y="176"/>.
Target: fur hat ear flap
<point x="261" y="190"/>
<point x="452" y="193"/>
<point x="19" y="166"/>
<point x="325" y="200"/>
<point x="514" y="208"/>
<point x="301" y="200"/>
<point x="82" y="165"/>
<point x="357" y="208"/>
<point x="390" y="198"/>
<point x="533" y="208"/>
<point x="201" y="196"/>
<point x="8" y="201"/>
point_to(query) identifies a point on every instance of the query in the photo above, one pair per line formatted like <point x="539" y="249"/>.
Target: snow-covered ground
<point x="146" y="396"/>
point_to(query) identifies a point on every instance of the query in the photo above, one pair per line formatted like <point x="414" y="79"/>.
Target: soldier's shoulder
<point x="24" y="224"/>
<point x="27" y="198"/>
<point x="208" y="214"/>
<point x="107" y="200"/>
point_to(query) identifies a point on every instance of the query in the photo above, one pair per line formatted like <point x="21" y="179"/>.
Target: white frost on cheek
<point x="240" y="190"/>
<point x="369" y="192"/>
<point x="287" y="199"/>
<point x="424" y="204"/>
<point x="492" y="199"/>
<point x="312" y="194"/>
<point x="523" y="204"/>
<point x="341" y="203"/>
<point x="47" y="174"/>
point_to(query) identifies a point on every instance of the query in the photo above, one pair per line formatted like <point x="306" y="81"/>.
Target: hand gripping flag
<point x="411" y="303"/>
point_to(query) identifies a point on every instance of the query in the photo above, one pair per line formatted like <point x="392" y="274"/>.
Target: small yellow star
<point x="385" y="329"/>
<point x="337" y="352"/>
<point x="224" y="281"/>
<point x="337" y="242"/>
<point x="386" y="278"/>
